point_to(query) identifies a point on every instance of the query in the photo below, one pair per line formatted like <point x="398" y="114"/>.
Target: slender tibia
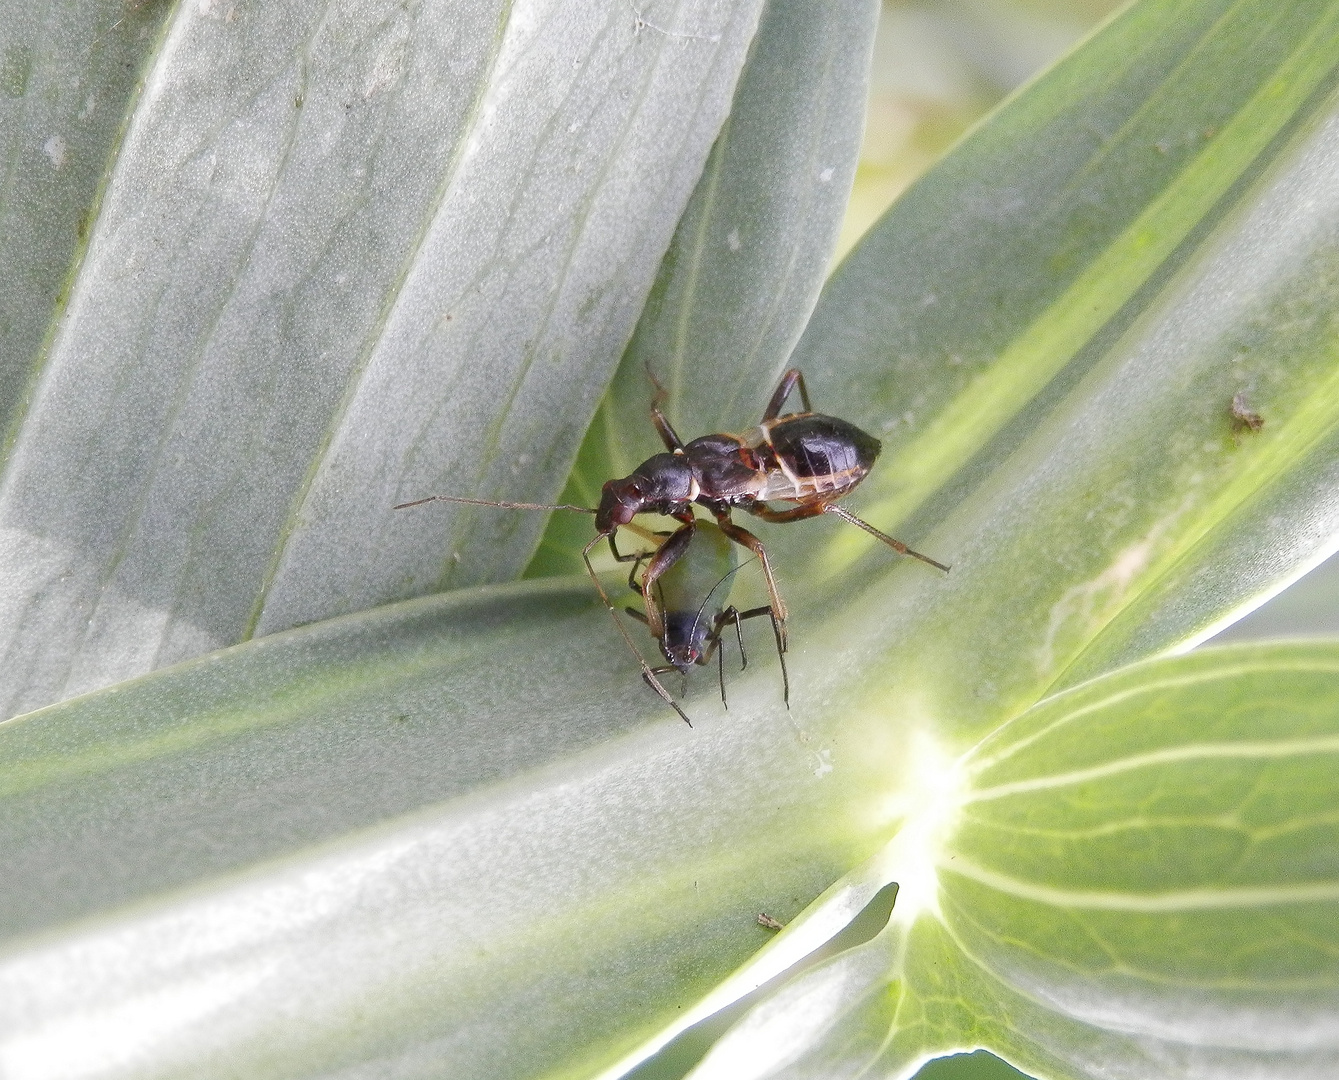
<point x="667" y="433"/>
<point x="745" y="538"/>
<point x="789" y="381"/>
<point x="753" y="613"/>
<point x="896" y="545"/>
<point x="720" y="673"/>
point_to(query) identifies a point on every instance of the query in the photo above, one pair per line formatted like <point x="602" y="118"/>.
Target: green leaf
<point x="1067" y="307"/>
<point x="68" y="70"/>
<point x="552" y="868"/>
<point x="749" y="255"/>
<point x="452" y="829"/>
<point x="348" y="255"/>
<point x="1135" y="878"/>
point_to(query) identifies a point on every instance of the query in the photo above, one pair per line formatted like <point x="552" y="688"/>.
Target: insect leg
<point x="666" y="556"/>
<point x="795" y="513"/>
<point x="647" y="673"/>
<point x="896" y="545"/>
<point x="753" y="613"/>
<point x="788" y="382"/>
<point x="720" y="671"/>
<point x="745" y="538"/>
<point x="667" y="434"/>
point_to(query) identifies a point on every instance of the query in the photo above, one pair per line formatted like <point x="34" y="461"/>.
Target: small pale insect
<point x="691" y="607"/>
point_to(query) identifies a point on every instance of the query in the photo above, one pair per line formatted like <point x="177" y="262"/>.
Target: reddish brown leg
<point x="808" y="510"/>
<point x="745" y="538"/>
<point x="647" y="673"/>
<point x="788" y="382"/>
<point x="666" y="556"/>
<point x="796" y="513"/>
<point x="667" y="434"/>
<point x="636" y="558"/>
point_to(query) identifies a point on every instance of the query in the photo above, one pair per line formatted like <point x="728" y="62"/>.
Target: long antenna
<point x="697" y="619"/>
<point x="490" y="502"/>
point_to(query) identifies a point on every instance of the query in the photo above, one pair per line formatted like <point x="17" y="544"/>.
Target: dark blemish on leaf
<point x="1243" y="416"/>
<point x="81" y="226"/>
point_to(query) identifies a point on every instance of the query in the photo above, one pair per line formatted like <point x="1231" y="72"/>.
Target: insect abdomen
<point x="815" y="455"/>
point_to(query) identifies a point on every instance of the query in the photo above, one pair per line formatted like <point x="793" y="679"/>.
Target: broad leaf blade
<point x="67" y="73"/>
<point x="1074" y="413"/>
<point x="455" y="829"/>
<point x="1139" y="878"/>
<point x="325" y="263"/>
<point x="587" y="850"/>
<point x="743" y="272"/>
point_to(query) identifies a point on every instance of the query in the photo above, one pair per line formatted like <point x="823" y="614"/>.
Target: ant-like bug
<point x="691" y="597"/>
<point x="805" y="458"/>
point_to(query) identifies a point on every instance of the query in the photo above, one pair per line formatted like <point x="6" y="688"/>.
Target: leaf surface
<point x="1136" y="878"/>
<point x="552" y="868"/>
<point x="68" y="71"/>
<point x="430" y="825"/>
<point x="748" y="257"/>
<point x="349" y="254"/>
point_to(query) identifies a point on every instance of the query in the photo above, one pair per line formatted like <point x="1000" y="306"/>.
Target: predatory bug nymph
<point x="805" y="458"/>
<point x="691" y="607"/>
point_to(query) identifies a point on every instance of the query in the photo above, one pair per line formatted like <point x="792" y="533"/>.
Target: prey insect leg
<point x="734" y="615"/>
<point x="753" y="613"/>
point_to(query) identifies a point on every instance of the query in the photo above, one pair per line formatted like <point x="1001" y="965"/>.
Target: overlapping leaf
<point x="1136" y="878"/>
<point x="67" y="71"/>
<point x="349" y="253"/>
<point x="170" y="787"/>
<point x="551" y="867"/>
<point x="744" y="270"/>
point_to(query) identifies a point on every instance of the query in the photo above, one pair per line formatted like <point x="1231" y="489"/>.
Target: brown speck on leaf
<point x="1243" y="416"/>
<point x="766" y="920"/>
